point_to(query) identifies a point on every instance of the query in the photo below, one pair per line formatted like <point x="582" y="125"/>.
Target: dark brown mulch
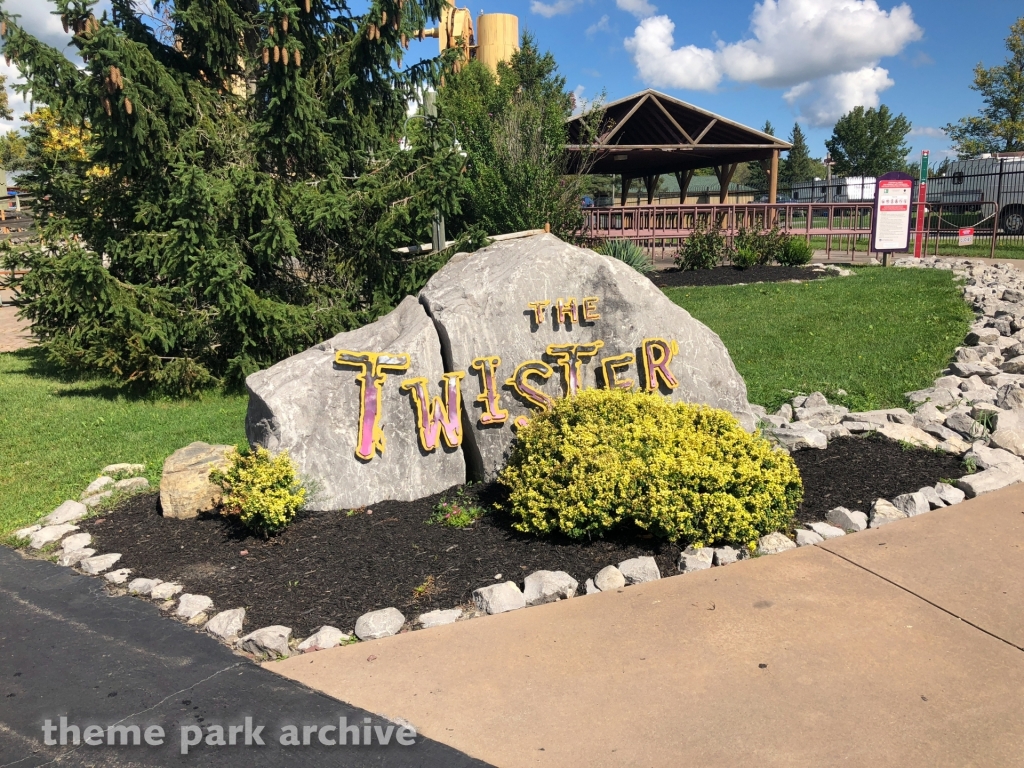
<point x="674" y="278"/>
<point x="854" y="471"/>
<point x="329" y="567"/>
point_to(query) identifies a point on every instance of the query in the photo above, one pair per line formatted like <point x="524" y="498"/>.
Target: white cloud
<point x="557" y="8"/>
<point x="601" y="25"/>
<point x="639" y="8"/>
<point x="823" y="101"/>
<point x="931" y="133"/>
<point x="825" y="51"/>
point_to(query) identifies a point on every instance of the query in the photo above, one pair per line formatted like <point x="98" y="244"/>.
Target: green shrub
<point x="611" y="459"/>
<point x="262" y="490"/>
<point x="744" y="257"/>
<point x="629" y="253"/>
<point x="795" y="252"/>
<point x="764" y="247"/>
<point x="704" y="248"/>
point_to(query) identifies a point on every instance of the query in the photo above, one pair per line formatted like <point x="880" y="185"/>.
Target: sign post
<point x="922" y="198"/>
<point x="890" y="222"/>
<point x="966" y="236"/>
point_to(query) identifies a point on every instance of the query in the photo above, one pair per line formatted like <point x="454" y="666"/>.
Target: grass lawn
<point x="1006" y="248"/>
<point x="875" y="335"/>
<point x="55" y="435"/>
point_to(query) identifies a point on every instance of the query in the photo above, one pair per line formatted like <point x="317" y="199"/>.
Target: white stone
<point x="270" y="641"/>
<point x="68" y="512"/>
<point x="849" y="521"/>
<point x="227" y="625"/>
<point x="785" y="412"/>
<point x="1010" y="397"/>
<point x="928" y="414"/>
<point x="591" y="587"/>
<point x="987" y="481"/>
<point x="439" y="618"/>
<point x="696" y="559"/>
<point x="884" y="416"/>
<point x="190" y="606"/>
<point x="377" y="624"/>
<point x="911" y="504"/>
<point x="548" y="586"/>
<point x="827" y="531"/>
<point x="808" y="538"/>
<point x="725" y="555"/>
<point x="69" y="557"/>
<point x="97" y="564"/>
<point x="93" y="501"/>
<point x="76" y="541"/>
<point x="884" y="512"/>
<point x="860" y="426"/>
<point x="120" y="576"/>
<point x="905" y="433"/>
<point x="49" y="534"/>
<point x="637" y="570"/>
<point x="25" y="533"/>
<point x="832" y="431"/>
<point x="934" y="500"/>
<point x="774" y="543"/>
<point x="988" y="458"/>
<point x="185" y="486"/>
<point x="165" y="591"/>
<point x="142" y="586"/>
<point x="132" y="484"/>
<point x="323" y="639"/>
<point x="815" y="400"/>
<point x="97" y="485"/>
<point x="797" y="435"/>
<point x="949" y="494"/>
<point x="609" y="578"/>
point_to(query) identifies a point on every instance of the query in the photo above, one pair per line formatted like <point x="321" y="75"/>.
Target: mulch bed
<point x="675" y="278"/>
<point x="328" y="568"/>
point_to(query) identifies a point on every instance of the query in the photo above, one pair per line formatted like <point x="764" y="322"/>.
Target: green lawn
<point x="1006" y="248"/>
<point x="56" y="435"/>
<point x="875" y="335"/>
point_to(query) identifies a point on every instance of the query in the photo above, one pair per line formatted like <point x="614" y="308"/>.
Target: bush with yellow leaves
<point x="610" y="459"/>
<point x="264" y="491"/>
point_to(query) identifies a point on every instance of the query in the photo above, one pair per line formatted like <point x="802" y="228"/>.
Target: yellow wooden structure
<point x="495" y="38"/>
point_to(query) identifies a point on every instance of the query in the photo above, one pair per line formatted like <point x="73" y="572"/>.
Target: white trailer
<point x="996" y="179"/>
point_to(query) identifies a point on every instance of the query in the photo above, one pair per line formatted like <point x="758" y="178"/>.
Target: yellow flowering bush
<point x="608" y="459"/>
<point x="263" y="490"/>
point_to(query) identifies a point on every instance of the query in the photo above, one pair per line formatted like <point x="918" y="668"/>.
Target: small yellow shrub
<point x="263" y="490"/>
<point x="606" y="459"/>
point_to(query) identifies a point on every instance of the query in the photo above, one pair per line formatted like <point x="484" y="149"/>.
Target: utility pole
<point x="438" y="237"/>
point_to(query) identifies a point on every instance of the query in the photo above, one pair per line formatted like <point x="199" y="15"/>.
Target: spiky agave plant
<point x="629" y="253"/>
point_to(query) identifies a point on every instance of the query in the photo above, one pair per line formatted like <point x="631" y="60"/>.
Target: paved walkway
<point x="68" y="649"/>
<point x="14" y="333"/>
<point x="895" y="647"/>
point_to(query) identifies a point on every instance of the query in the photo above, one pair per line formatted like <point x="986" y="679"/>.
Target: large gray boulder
<point x="481" y="304"/>
<point x="310" y="406"/>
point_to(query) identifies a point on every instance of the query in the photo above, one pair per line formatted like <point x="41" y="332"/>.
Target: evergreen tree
<point x="238" y="185"/>
<point x="798" y="166"/>
<point x="869" y="142"/>
<point x="757" y="177"/>
<point x="1000" y="126"/>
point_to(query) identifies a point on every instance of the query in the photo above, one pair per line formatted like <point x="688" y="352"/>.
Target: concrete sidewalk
<point x="894" y="647"/>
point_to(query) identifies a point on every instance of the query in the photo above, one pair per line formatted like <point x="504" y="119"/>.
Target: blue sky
<point x="780" y="60"/>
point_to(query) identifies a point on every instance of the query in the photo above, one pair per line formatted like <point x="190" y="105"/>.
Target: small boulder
<point x="1010" y="397"/>
<point x="827" y="531"/>
<point x="591" y="587"/>
<point x="97" y="485"/>
<point x="323" y="639"/>
<point x="725" y="555"/>
<point x="93" y="501"/>
<point x="774" y="543"/>
<point x="68" y="512"/>
<point x="808" y="538"/>
<point x="269" y="642"/>
<point x="832" y="431"/>
<point x="123" y="470"/>
<point x="142" y="586"/>
<point x="609" y="578"/>
<point x="905" y="433"/>
<point x="911" y="504"/>
<point x="76" y="541"/>
<point x="815" y="400"/>
<point x="70" y="557"/>
<point x="23" y="534"/>
<point x="190" y="606"/>
<point x="97" y="564"/>
<point x="165" y="591"/>
<point x="987" y="481"/>
<point x="949" y="494"/>
<point x="439" y="618"/>
<point x="796" y="436"/>
<point x="696" y="559"/>
<point x="132" y="485"/>
<point x="548" y="587"/>
<point x="377" y="624"/>
<point x="849" y="521"/>
<point x="185" y="487"/>
<point x="120" y="576"/>
<point x="227" y="625"/>
<point x="934" y="500"/>
<point x="499" y="598"/>
<point x="883" y="512"/>
<point x="637" y="570"/>
<point x="49" y="535"/>
<point x="785" y="412"/>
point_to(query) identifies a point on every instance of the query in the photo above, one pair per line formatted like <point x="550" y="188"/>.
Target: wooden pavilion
<point x="650" y="134"/>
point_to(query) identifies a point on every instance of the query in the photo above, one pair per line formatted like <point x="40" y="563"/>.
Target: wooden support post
<point x="773" y="178"/>
<point x="724" y="174"/>
<point x="684" y="180"/>
<point x="652" y="184"/>
<point x="626" y="181"/>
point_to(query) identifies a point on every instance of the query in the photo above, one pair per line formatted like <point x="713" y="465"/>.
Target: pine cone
<point x="383" y="18"/>
<point x="277" y="54"/>
<point x="266" y="55"/>
<point x="284" y="56"/>
<point x="284" y="24"/>
<point x="307" y="6"/>
<point x="106" y="106"/>
<point x="64" y="23"/>
<point x="298" y="58"/>
<point x="128" y="105"/>
<point x="3" y="29"/>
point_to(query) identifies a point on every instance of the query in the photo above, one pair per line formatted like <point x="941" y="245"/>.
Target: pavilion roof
<point x="651" y="133"/>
